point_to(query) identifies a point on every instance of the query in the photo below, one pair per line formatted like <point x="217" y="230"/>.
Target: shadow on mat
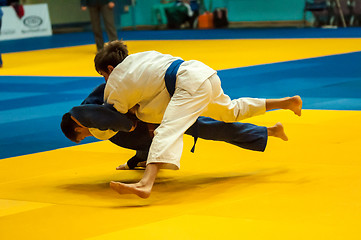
<point x="167" y="190"/>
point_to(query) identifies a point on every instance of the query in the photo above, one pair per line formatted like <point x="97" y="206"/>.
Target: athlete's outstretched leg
<point x="224" y="109"/>
<point x="291" y="103"/>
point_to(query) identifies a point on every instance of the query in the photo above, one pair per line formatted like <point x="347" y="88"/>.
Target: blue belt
<point x="170" y="76"/>
<point x="170" y="79"/>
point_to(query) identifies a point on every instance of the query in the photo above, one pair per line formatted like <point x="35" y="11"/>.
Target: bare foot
<point x="140" y="165"/>
<point x="295" y="104"/>
<point x="277" y="131"/>
<point x="136" y="188"/>
<point x="123" y="167"/>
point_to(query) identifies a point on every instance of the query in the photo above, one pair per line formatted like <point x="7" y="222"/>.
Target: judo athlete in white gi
<point x="144" y="83"/>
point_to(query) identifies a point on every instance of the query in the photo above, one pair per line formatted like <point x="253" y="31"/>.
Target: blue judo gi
<point x="92" y="113"/>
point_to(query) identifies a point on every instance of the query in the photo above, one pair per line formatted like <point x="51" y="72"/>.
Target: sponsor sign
<point x="34" y="23"/>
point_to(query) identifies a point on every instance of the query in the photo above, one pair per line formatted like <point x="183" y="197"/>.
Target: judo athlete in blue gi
<point x="94" y="115"/>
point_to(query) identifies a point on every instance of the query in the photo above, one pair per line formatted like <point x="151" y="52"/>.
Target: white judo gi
<point x="139" y="81"/>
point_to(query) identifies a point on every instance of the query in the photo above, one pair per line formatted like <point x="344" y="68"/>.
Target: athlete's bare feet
<point x="291" y="103"/>
<point x="123" y="167"/>
<point x="135" y="188"/>
<point x="277" y="131"/>
<point x="295" y="104"/>
<point x="140" y="165"/>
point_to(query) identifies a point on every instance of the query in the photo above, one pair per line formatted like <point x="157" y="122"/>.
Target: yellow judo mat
<point x="306" y="188"/>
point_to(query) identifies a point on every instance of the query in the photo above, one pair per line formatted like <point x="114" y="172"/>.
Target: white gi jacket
<point x="139" y="79"/>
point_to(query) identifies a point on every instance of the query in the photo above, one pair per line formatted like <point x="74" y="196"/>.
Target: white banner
<point x="34" y="23"/>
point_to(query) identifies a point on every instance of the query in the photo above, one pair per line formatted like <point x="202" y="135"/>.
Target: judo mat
<point x="306" y="188"/>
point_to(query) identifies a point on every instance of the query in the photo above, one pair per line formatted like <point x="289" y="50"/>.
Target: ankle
<point x="142" y="184"/>
<point x="271" y="131"/>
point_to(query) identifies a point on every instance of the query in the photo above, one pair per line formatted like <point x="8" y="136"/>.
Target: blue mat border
<point x="85" y="38"/>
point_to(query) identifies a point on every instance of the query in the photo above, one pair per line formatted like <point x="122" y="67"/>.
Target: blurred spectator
<point x="341" y="12"/>
<point x="355" y="19"/>
<point x="2" y="3"/>
<point x="176" y="13"/>
<point x="158" y="16"/>
<point x="321" y="11"/>
<point x="104" y="8"/>
<point x="18" y="7"/>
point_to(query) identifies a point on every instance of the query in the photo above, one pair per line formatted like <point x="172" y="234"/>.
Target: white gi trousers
<point x="184" y="109"/>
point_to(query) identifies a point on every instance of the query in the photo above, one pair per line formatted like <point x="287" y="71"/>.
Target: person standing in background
<point x="2" y="3"/>
<point x="104" y="8"/>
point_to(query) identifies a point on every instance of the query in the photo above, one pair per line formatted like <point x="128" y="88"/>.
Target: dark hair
<point x="112" y="54"/>
<point x="68" y="126"/>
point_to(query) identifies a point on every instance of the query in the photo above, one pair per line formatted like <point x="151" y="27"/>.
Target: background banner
<point x="34" y="23"/>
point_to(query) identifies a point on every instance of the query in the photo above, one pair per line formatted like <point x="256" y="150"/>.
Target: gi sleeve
<point x="102" y="117"/>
